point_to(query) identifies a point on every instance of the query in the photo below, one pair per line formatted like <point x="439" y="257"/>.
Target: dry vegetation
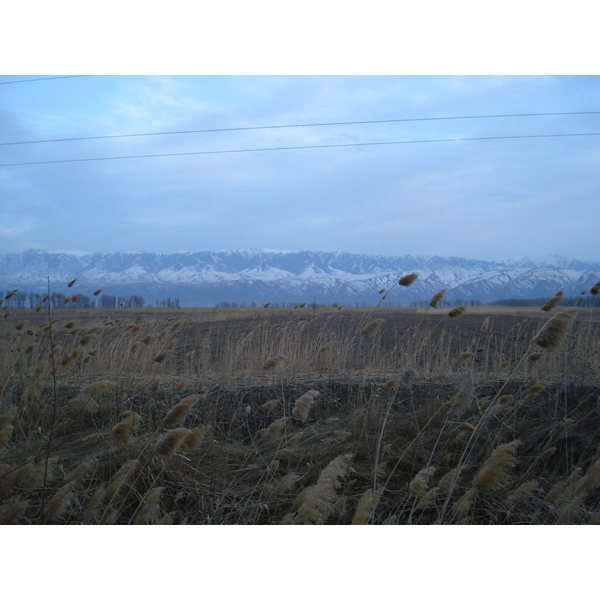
<point x="295" y="416"/>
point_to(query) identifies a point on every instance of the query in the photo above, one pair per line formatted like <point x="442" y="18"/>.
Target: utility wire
<point x="41" y="79"/>
<point x="508" y="137"/>
<point x="106" y="137"/>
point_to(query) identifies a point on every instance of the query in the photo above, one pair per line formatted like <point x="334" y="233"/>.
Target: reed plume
<point x="420" y="483"/>
<point x="493" y="473"/>
<point x="407" y="280"/>
<point x="426" y="500"/>
<point x="270" y="405"/>
<point x="58" y="503"/>
<point x="437" y="298"/>
<point x="535" y="356"/>
<point x="461" y="507"/>
<point x="170" y="441"/>
<point x="595" y="289"/>
<point x="554" y="331"/>
<point x="462" y="400"/>
<point x="273" y="362"/>
<point x="303" y="405"/>
<point x="448" y="480"/>
<point x="273" y="431"/>
<point x="294" y="440"/>
<point x="150" y="508"/>
<point x="120" y="477"/>
<point x="522" y="493"/>
<point x="456" y="312"/>
<point x="464" y="356"/>
<point x="550" y="304"/>
<point x="589" y="481"/>
<point x="71" y="283"/>
<point x="287" y="483"/>
<point x="193" y="439"/>
<point x="176" y="416"/>
<point x="485" y="325"/>
<point x="372" y="327"/>
<point x="409" y="376"/>
<point x="320" y="500"/>
<point x="13" y="510"/>
<point x="366" y="506"/>
<point x="96" y="500"/>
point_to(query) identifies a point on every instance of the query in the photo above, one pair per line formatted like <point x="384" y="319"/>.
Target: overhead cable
<point x="507" y="137"/>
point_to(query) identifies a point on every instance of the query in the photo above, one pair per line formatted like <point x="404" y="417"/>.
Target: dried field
<point x="300" y="416"/>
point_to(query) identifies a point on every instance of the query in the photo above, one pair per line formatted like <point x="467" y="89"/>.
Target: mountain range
<point x="244" y="276"/>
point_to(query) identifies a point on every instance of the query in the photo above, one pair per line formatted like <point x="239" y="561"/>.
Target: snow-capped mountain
<point x="204" y="278"/>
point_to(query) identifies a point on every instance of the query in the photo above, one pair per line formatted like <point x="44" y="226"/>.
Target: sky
<point x="483" y="199"/>
<point x="261" y="65"/>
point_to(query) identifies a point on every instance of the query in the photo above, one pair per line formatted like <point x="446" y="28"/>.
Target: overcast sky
<point x="478" y="199"/>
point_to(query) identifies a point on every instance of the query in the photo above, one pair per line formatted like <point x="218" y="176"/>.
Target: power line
<point x="106" y="137"/>
<point x="508" y="137"/>
<point x="41" y="79"/>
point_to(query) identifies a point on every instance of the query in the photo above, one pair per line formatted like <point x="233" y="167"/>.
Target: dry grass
<point x="270" y="416"/>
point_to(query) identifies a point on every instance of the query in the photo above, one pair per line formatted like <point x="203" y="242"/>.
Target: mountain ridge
<point x="203" y="278"/>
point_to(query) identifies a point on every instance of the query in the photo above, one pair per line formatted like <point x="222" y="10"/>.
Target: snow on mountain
<point x="203" y="278"/>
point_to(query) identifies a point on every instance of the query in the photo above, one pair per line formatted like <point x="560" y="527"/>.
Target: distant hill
<point x="246" y="276"/>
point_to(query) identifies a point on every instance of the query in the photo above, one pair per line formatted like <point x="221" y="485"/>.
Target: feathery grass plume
<point x="467" y="426"/>
<point x="168" y="444"/>
<point x="407" y="279"/>
<point x="193" y="439"/>
<point x="462" y="400"/>
<point x="167" y="519"/>
<point x="561" y="491"/>
<point x="536" y="386"/>
<point x="464" y="356"/>
<point x="294" y="440"/>
<point x="535" y="356"/>
<point x="409" y="376"/>
<point x="493" y="473"/>
<point x="595" y="519"/>
<point x="589" y="481"/>
<point x="550" y="304"/>
<point x="241" y="376"/>
<point x="486" y="324"/>
<point x="437" y="298"/>
<point x="372" y="327"/>
<point x="71" y="283"/>
<point x="10" y="294"/>
<point x="35" y="477"/>
<point x="390" y="384"/>
<point x="426" y="500"/>
<point x="111" y="517"/>
<point x="450" y="478"/>
<point x="320" y="500"/>
<point x="287" y="483"/>
<point x="273" y="362"/>
<point x="5" y="435"/>
<point x="160" y="358"/>
<point x="522" y="493"/>
<point x="270" y="405"/>
<point x="13" y="510"/>
<point x="32" y="391"/>
<point x="86" y="339"/>
<point x="58" y="503"/>
<point x="456" y="312"/>
<point x="505" y="364"/>
<point x="274" y="429"/>
<point x="13" y="478"/>
<point x="149" y="340"/>
<point x="553" y="332"/>
<point x="180" y="387"/>
<point x="121" y="434"/>
<point x="366" y="506"/>
<point x="97" y="292"/>
<point x="267" y="305"/>
<point x="150" y="508"/>
<point x="21" y="325"/>
<point x="71" y="325"/>
<point x="120" y="477"/>
<point x="461" y="507"/>
<point x="303" y="405"/>
<point x="381" y="291"/>
<point x="595" y="291"/>
<point x="418" y="486"/>
<point x="134" y="348"/>
<point x="92" y="509"/>
<point x="176" y="416"/>
<point x="328" y="347"/>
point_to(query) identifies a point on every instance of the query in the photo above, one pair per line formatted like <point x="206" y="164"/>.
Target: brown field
<point x="298" y="416"/>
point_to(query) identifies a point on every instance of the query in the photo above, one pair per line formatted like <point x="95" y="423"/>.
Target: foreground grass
<point x="271" y="416"/>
